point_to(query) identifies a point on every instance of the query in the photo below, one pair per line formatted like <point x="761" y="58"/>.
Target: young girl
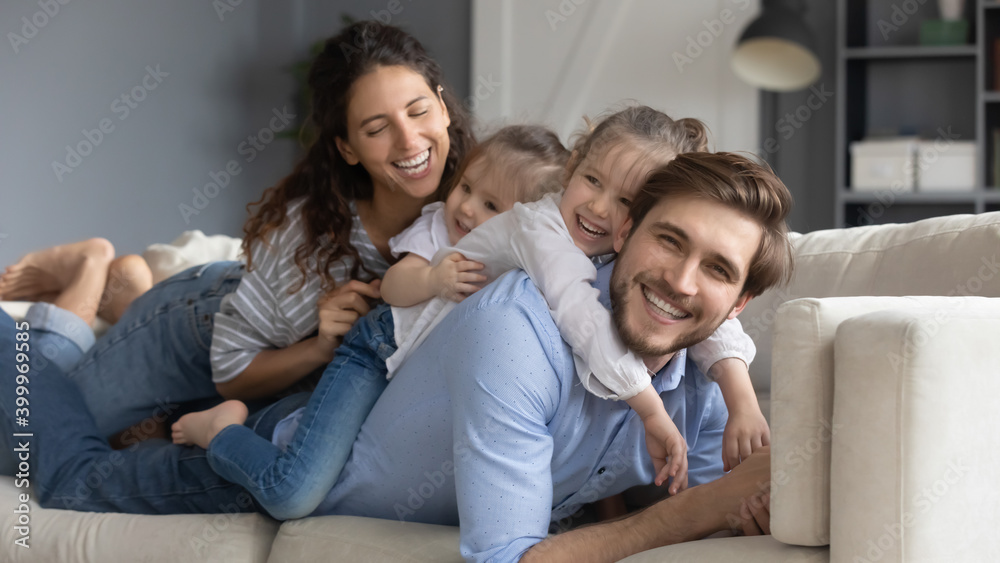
<point x="546" y="239"/>
<point x="519" y="163"/>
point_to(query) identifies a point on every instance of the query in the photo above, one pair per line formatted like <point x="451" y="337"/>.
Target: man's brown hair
<point x="739" y="183"/>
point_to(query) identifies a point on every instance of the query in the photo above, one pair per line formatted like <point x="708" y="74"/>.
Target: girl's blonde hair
<point x="655" y="134"/>
<point x="530" y="157"/>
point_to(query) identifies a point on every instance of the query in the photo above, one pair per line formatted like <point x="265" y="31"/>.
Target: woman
<point x="389" y="135"/>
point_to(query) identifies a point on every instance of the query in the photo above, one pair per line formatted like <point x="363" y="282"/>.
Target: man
<point x="485" y="424"/>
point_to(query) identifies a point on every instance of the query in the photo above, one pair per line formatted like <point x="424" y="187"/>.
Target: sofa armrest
<point x="915" y="455"/>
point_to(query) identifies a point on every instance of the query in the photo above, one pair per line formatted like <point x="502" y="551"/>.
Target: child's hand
<point x="341" y="308"/>
<point x="746" y="432"/>
<point x="663" y="440"/>
<point x="455" y="278"/>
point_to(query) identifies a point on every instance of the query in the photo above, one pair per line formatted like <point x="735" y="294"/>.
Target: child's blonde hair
<point x="530" y="157"/>
<point x="657" y="136"/>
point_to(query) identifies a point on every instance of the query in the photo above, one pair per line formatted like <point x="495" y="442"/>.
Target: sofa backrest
<point x="952" y="255"/>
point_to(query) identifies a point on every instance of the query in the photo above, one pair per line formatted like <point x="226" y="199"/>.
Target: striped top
<point x="262" y="313"/>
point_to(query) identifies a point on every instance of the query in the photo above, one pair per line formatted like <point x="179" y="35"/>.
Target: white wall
<point x="557" y="60"/>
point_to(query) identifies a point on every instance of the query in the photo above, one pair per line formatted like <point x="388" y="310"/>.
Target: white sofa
<point x="884" y="427"/>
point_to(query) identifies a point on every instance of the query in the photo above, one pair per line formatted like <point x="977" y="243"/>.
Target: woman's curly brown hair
<point x="323" y="177"/>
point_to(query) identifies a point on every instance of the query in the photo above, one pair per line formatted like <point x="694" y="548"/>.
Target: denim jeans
<point x="65" y="353"/>
<point x="69" y="462"/>
<point x="157" y="354"/>
<point x="291" y="483"/>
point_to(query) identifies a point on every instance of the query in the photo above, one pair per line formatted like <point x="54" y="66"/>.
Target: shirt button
<point x="600" y="471"/>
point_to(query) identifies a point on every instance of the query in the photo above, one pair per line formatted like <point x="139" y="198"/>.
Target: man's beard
<point x="634" y="339"/>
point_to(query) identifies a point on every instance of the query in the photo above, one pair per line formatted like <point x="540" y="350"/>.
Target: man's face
<point x="680" y="274"/>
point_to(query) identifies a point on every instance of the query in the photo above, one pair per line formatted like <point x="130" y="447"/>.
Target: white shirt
<point x="533" y="237"/>
<point x="424" y="236"/>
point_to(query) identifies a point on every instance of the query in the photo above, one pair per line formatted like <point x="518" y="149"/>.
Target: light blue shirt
<point x="487" y="427"/>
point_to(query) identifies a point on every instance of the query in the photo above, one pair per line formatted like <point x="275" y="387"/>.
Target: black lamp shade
<point x="776" y="52"/>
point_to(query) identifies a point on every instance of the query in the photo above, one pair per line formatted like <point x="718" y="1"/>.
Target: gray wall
<point x="222" y="77"/>
<point x="803" y="126"/>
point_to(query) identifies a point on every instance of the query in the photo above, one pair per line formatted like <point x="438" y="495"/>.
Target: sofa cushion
<point x="953" y="255"/>
<point x="91" y="537"/>
<point x="802" y="397"/>
<point x="356" y="539"/>
<point x="918" y="448"/>
<point x="754" y="549"/>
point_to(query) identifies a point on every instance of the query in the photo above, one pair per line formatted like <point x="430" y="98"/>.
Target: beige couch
<point x="882" y="408"/>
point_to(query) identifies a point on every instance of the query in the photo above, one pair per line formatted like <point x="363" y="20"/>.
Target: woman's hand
<point x="340" y="309"/>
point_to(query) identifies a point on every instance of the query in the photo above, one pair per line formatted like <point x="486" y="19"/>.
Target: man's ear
<point x="346" y="151"/>
<point x="622" y="234"/>
<point x="741" y="303"/>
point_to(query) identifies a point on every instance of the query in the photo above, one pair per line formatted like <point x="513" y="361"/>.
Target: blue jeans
<point x="292" y="483"/>
<point x="157" y="354"/>
<point x="64" y="352"/>
<point x="69" y="462"/>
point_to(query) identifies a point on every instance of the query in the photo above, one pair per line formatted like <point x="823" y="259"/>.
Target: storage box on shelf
<point x="890" y="84"/>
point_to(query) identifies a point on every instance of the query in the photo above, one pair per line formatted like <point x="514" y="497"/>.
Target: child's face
<point x="597" y="198"/>
<point x="476" y="198"/>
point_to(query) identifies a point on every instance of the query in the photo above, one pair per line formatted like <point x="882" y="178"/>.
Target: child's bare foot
<point x="198" y="428"/>
<point x="53" y="269"/>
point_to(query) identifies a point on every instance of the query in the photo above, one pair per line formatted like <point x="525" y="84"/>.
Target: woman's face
<point x="397" y="128"/>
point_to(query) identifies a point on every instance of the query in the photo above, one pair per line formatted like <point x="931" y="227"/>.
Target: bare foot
<point x="198" y="428"/>
<point x="53" y="269"/>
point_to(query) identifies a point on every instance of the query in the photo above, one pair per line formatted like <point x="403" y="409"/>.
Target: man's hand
<point x="755" y="514"/>
<point x="455" y="278"/>
<point x="746" y="432"/>
<point x="340" y="309"/>
<point x="664" y="441"/>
